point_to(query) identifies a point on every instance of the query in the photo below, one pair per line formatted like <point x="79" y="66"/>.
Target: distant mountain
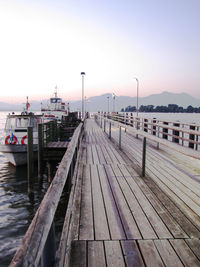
<point x="100" y="103"/>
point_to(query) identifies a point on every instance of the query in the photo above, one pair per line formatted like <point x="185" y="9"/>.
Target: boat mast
<point x="27" y="104"/>
<point x="56" y="91"/>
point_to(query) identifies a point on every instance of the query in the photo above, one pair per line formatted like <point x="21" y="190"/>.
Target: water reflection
<point x="17" y="207"/>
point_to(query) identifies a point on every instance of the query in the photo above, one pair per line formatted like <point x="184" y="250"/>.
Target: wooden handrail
<point x="31" y="249"/>
<point x="145" y="125"/>
<point x="177" y="147"/>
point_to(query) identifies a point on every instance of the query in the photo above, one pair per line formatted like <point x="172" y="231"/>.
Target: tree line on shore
<point x="172" y="108"/>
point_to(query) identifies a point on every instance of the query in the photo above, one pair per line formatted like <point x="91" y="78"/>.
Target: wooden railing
<point x="111" y="127"/>
<point x="178" y="132"/>
<point x="37" y="244"/>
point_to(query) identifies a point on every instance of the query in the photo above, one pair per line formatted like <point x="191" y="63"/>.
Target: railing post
<point x="110" y="130"/>
<point x="154" y="127"/>
<point x="145" y="123"/>
<point x="104" y="125"/>
<point x="144" y="157"/>
<point x="197" y="137"/>
<point x="165" y="131"/>
<point x="120" y="137"/>
<point x="176" y="133"/>
<point x="191" y="136"/>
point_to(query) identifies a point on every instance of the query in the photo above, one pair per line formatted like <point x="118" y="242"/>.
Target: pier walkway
<point x="117" y="218"/>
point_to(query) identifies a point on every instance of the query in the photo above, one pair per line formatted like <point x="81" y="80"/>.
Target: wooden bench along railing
<point x="34" y="248"/>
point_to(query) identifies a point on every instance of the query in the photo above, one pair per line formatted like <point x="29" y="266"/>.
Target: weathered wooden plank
<point x="117" y="155"/>
<point x="96" y="255"/>
<point x="101" y="229"/>
<point x="150" y="253"/>
<point x="114" y="220"/>
<point x="171" y="223"/>
<point x="183" y="178"/>
<point x="89" y="154"/>
<point x="83" y="157"/>
<point x="175" y="212"/>
<point x="158" y="225"/>
<point x="194" y="245"/>
<point x="131" y="254"/>
<point x="185" y="253"/>
<point x="106" y="155"/>
<point x="100" y="155"/>
<point x="139" y="216"/>
<point x="86" y="231"/>
<point x="187" y="210"/>
<point x="167" y="253"/>
<point x="78" y="254"/>
<point x="129" y="224"/>
<point x="95" y="155"/>
<point x="180" y="189"/>
<point x="114" y="255"/>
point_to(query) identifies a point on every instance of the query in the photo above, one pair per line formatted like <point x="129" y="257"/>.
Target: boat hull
<point x="17" y="154"/>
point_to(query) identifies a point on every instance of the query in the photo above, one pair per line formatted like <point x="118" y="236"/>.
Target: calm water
<point x="17" y="209"/>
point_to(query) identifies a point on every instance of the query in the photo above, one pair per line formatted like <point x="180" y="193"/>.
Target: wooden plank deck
<point x="122" y="219"/>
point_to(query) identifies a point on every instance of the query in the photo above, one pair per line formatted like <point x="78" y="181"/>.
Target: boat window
<point x="55" y="100"/>
<point x="22" y="122"/>
<point x="10" y="123"/>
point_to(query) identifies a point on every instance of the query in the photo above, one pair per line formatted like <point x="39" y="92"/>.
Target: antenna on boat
<point x="27" y="104"/>
<point x="56" y="91"/>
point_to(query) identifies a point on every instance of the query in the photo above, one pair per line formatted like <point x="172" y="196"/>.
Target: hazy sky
<point x="44" y="43"/>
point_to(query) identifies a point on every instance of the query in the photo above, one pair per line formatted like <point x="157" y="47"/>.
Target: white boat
<point x="56" y="109"/>
<point x="14" y="143"/>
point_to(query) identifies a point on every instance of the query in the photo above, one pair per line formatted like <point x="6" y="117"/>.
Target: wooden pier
<point x="114" y="216"/>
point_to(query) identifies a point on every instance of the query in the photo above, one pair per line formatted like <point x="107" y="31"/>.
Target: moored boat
<point x="14" y="143"/>
<point x="56" y="108"/>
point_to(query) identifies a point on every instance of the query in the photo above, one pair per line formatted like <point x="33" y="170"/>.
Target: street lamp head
<point x="82" y="73"/>
<point x="136" y="79"/>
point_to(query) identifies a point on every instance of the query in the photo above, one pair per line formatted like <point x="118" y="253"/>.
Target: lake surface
<point x="17" y="209"/>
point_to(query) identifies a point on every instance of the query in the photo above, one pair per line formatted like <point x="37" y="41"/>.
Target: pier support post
<point x="30" y="155"/>
<point x="144" y="157"/>
<point x="30" y="162"/>
<point x="40" y="150"/>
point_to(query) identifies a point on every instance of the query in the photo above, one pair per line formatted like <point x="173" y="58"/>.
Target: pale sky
<point x="44" y="43"/>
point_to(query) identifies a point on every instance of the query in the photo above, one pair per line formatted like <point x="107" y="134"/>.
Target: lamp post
<point x="113" y="102"/>
<point x="137" y="92"/>
<point x="108" y="103"/>
<point x="83" y="74"/>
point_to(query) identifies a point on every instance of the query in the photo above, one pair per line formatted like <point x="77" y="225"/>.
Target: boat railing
<point x="38" y="244"/>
